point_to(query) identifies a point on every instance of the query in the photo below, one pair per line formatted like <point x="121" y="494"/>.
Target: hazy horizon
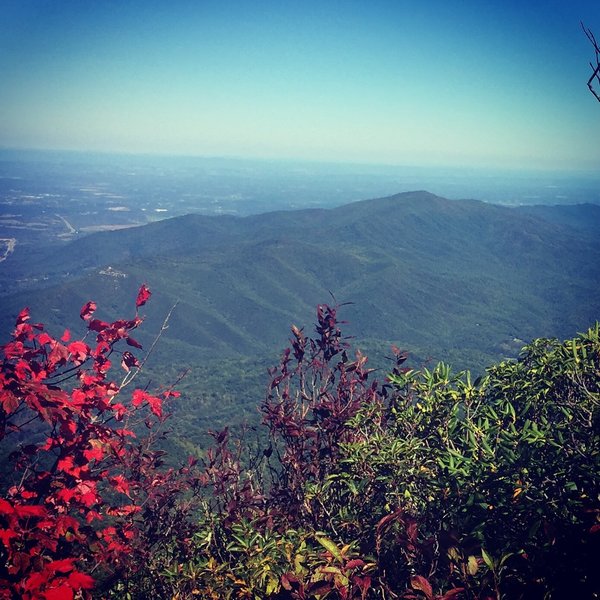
<point x="494" y="85"/>
<point x="178" y="184"/>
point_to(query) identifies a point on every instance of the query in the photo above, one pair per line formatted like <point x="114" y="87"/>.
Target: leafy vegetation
<point x="85" y="495"/>
<point x="428" y="484"/>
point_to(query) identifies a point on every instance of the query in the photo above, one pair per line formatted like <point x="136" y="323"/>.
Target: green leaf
<point x="272" y="585"/>
<point x="487" y="559"/>
<point x="330" y="546"/>
<point x="299" y="568"/>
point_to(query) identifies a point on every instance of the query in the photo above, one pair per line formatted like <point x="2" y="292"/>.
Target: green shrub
<point x="427" y="485"/>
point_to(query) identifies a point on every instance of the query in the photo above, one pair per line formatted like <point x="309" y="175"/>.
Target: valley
<point x="51" y="197"/>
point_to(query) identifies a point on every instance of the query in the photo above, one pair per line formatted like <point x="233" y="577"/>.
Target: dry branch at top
<point x="595" y="67"/>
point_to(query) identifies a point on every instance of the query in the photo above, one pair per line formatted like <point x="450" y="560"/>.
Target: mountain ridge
<point x="422" y="271"/>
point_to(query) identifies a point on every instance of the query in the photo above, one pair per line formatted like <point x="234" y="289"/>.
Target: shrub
<point x="87" y="498"/>
<point x="440" y="486"/>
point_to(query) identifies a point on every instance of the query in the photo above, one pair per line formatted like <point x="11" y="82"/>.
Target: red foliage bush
<point x="79" y="475"/>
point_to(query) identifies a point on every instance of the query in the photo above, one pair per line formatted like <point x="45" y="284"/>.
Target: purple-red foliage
<point x="314" y="392"/>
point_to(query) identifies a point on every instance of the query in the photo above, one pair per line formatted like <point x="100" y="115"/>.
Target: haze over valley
<point x="299" y="299"/>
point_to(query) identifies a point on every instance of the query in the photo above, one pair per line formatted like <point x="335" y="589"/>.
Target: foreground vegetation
<point x="425" y="485"/>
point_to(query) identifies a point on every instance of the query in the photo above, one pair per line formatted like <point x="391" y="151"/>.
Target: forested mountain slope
<point x="431" y="274"/>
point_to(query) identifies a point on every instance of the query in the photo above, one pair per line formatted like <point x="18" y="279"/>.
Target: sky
<point x="480" y="83"/>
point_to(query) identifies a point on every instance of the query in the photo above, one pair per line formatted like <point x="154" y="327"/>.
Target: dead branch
<point x="595" y="77"/>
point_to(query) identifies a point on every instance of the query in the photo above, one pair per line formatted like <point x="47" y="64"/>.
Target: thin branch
<point x="129" y="377"/>
<point x="595" y="67"/>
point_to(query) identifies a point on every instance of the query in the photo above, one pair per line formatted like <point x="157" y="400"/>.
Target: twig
<point x="596" y="67"/>
<point x="129" y="377"/>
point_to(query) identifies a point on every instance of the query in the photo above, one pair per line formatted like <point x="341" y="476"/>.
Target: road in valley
<point x="9" y="247"/>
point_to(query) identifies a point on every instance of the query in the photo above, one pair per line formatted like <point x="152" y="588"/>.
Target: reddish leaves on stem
<point x="53" y="524"/>
<point x="314" y="391"/>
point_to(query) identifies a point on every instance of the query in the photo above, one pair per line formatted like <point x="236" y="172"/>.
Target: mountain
<point x="412" y="264"/>
<point x="458" y="280"/>
<point x="584" y="218"/>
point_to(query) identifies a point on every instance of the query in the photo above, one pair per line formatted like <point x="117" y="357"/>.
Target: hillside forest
<point x="460" y="281"/>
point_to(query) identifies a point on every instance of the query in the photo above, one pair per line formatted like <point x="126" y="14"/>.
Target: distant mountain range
<point x="458" y="280"/>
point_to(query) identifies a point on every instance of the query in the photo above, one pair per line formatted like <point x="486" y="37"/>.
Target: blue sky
<point x="463" y="83"/>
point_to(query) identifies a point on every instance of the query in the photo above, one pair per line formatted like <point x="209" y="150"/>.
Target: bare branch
<point x="595" y="77"/>
<point x="129" y="377"/>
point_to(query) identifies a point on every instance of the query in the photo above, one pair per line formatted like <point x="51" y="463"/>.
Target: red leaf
<point x="286" y="581"/>
<point x="35" y="581"/>
<point x="355" y="564"/>
<point x="120" y="410"/>
<point x="128" y="509"/>
<point x="61" y="566"/>
<point x="79" y="351"/>
<point x="421" y="584"/>
<point x="62" y="592"/>
<point x="30" y="511"/>
<point x="108" y="533"/>
<point x="143" y="296"/>
<point x="89" y="499"/>
<point x="94" y="453"/>
<point x="64" y="523"/>
<point x="120" y="484"/>
<point x="155" y="405"/>
<point x="363" y="584"/>
<point x="44" y="338"/>
<point x="129" y="360"/>
<point x="138" y="397"/>
<point x="88" y="310"/>
<point x="124" y="432"/>
<point x="23" y="316"/>
<point x="6" y="535"/>
<point x="81" y="581"/>
<point x="20" y="563"/>
<point x="88" y="495"/>
<point x="131" y="342"/>
<point x="97" y="325"/>
<point x="91" y="515"/>
<point x="66" y="336"/>
<point x="58" y="355"/>
<point x="320" y="588"/>
<point x="9" y="401"/>
<point x="66" y="495"/>
<point x="22" y="370"/>
<point x="13" y="350"/>
<point x="67" y="465"/>
<point x="386" y="521"/>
